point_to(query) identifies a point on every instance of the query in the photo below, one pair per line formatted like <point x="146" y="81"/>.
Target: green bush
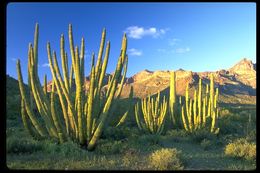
<point x="177" y="135"/>
<point x="116" y="133"/>
<point x="165" y="159"/>
<point x="19" y="145"/>
<point x="149" y="139"/>
<point x="241" y="148"/>
<point x="206" y="144"/>
<point x="110" y="147"/>
<point x="199" y="135"/>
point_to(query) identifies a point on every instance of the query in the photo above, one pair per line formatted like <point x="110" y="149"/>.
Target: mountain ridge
<point x="236" y="84"/>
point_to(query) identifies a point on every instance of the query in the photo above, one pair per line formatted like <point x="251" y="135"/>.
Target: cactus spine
<point x="153" y="113"/>
<point x="84" y="115"/>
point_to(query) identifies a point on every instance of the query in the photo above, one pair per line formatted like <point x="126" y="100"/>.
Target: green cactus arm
<point x="104" y="67"/>
<point x="103" y="115"/>
<point x="209" y="108"/>
<point x="64" y="109"/>
<point x="162" y="116"/>
<point x="64" y="63"/>
<point x="100" y="53"/>
<point x="35" y="46"/>
<point x="172" y="96"/>
<point x="33" y="119"/>
<point x="70" y="108"/>
<point x="204" y="113"/>
<point x="211" y="93"/>
<point x="56" y="71"/>
<point x="187" y="100"/>
<point x="38" y="97"/>
<point x="190" y="116"/>
<point x="71" y="46"/>
<point x="137" y="117"/>
<point x="216" y="98"/>
<point x="195" y="109"/>
<point x="183" y="119"/>
<point x="71" y="77"/>
<point x="90" y="100"/>
<point x="26" y="122"/>
<point x="213" y="121"/>
<point x="122" y="119"/>
<point x="199" y="103"/>
<point x="78" y="99"/>
<point x="45" y="85"/>
<point x="82" y="53"/>
<point x="56" y="120"/>
<point x="207" y="93"/>
<point x="123" y="78"/>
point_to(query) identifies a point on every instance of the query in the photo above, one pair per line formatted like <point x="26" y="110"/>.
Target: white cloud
<point x="46" y="65"/>
<point x="182" y="50"/>
<point x="174" y="41"/>
<point x="135" y="52"/>
<point x="137" y="32"/>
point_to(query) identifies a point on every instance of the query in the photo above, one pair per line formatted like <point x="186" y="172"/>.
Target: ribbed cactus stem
<point x="195" y="109"/>
<point x="35" y="122"/>
<point x="64" y="62"/>
<point x="26" y="122"/>
<point x="55" y="118"/>
<point x="45" y="85"/>
<point x="172" y="98"/>
<point x="183" y="119"/>
<point x="90" y="100"/>
<point x="204" y="113"/>
<point x="211" y="93"/>
<point x="199" y="102"/>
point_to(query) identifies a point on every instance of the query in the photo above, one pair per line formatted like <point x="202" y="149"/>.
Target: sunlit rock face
<point x="237" y="82"/>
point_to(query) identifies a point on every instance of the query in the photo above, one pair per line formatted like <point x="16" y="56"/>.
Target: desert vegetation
<point x="95" y="128"/>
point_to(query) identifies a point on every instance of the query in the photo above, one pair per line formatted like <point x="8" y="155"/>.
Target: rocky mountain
<point x="236" y="84"/>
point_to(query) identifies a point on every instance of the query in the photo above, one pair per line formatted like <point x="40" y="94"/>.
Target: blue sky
<point x="161" y="36"/>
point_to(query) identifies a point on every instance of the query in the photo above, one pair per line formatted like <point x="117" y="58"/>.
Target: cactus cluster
<point x="195" y="112"/>
<point x="83" y="114"/>
<point x="153" y="111"/>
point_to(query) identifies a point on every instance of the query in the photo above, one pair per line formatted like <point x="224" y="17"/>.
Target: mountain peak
<point x="244" y="66"/>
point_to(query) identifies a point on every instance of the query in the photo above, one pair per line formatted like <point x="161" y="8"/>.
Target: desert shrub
<point x="230" y="124"/>
<point x="251" y="136"/>
<point x="21" y="145"/>
<point x="177" y="135"/>
<point x="131" y="158"/>
<point x="199" y="135"/>
<point x="165" y="159"/>
<point x="206" y="144"/>
<point x="241" y="148"/>
<point x="116" y="133"/>
<point x="149" y="139"/>
<point x="110" y="147"/>
<point x="224" y="112"/>
<point x="70" y="148"/>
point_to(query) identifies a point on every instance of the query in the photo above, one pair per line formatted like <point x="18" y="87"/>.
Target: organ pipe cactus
<point x="153" y="113"/>
<point x="172" y="100"/>
<point x="194" y="111"/>
<point x="83" y="114"/>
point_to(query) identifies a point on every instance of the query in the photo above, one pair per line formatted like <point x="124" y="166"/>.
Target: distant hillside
<point x="236" y="85"/>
